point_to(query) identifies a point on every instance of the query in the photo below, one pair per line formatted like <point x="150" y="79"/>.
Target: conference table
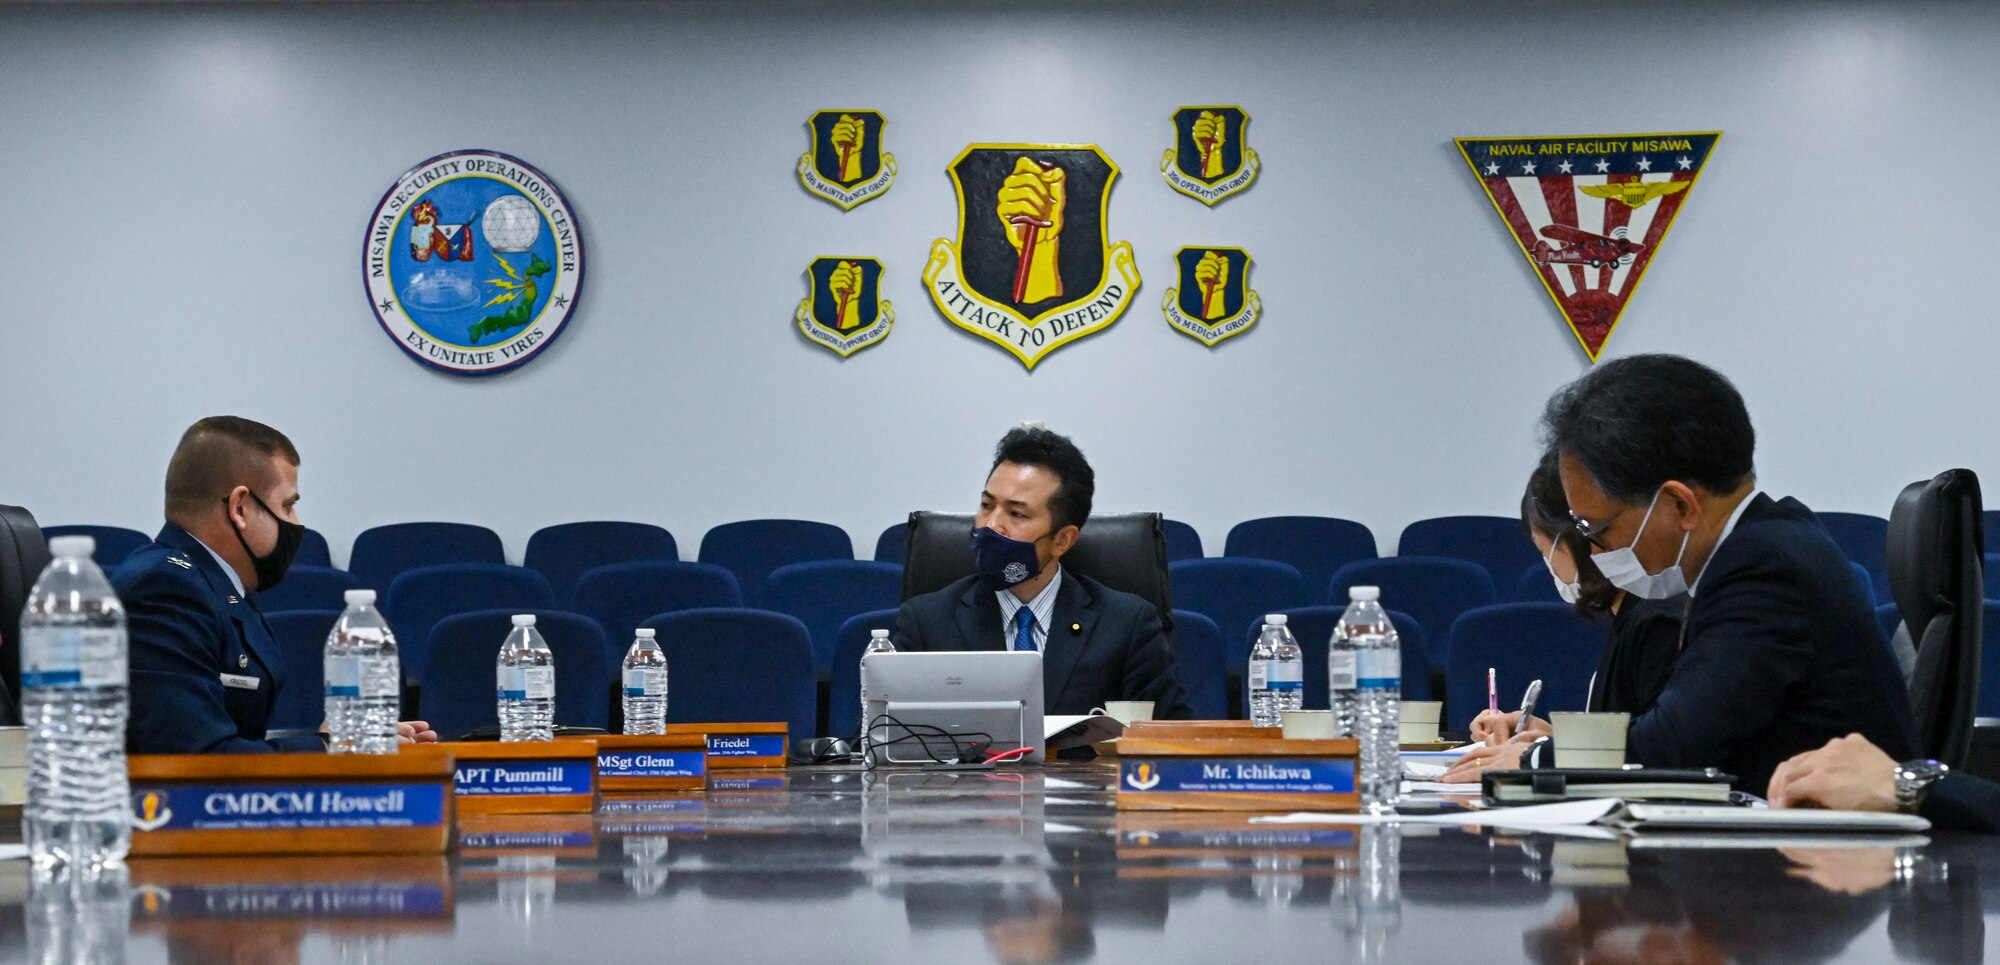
<point x="834" y="864"/>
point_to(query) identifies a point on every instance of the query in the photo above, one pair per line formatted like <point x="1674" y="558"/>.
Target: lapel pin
<point x="1076" y="628"/>
<point x="242" y="660"/>
<point x="233" y="599"/>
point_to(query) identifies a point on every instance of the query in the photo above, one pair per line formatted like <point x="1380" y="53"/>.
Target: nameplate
<point x="652" y="762"/>
<point x="290" y="804"/>
<point x="1237" y="774"/>
<point x="527" y="777"/>
<point x="486" y="778"/>
<point x="742" y="744"/>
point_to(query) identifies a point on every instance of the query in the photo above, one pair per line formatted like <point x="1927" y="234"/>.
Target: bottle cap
<point x="72" y="546"/>
<point x="878" y="634"/>
<point x="1363" y="593"/>
<point x="1275" y="619"/>
<point x="524" y="619"/>
<point x="359" y="597"/>
<point x="643" y="633"/>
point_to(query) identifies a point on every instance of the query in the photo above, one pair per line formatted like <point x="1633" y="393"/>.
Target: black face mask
<point x="271" y="568"/>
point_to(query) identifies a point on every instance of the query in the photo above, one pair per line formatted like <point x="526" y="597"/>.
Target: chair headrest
<point x="1124" y="551"/>
<point x="1935" y="546"/>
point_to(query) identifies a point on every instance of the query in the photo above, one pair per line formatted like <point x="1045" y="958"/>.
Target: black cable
<point x="914" y="732"/>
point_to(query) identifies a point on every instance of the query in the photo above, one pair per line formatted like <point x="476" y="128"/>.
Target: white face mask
<point x="1568" y="591"/>
<point x="1622" y="567"/>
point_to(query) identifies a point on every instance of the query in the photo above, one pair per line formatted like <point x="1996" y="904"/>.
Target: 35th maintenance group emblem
<point x="843" y="310"/>
<point x="1209" y="160"/>
<point x="1032" y="269"/>
<point x="846" y="164"/>
<point x="473" y="261"/>
<point x="1213" y="300"/>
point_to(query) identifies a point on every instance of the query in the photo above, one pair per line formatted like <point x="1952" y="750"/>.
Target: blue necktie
<point x="1024" y="629"/>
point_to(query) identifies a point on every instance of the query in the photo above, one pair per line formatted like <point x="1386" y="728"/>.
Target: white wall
<point x="186" y="190"/>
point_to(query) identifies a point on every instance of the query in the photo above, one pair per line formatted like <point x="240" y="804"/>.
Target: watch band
<point x="1914" y="780"/>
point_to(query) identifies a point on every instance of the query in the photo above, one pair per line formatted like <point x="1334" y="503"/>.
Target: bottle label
<point x="73" y="657"/>
<point x="1260" y="674"/>
<point x="343" y="676"/>
<point x="1288" y="675"/>
<point x="527" y="683"/>
<point x="1340" y="670"/>
<point x="645" y="682"/>
<point x="1381" y="669"/>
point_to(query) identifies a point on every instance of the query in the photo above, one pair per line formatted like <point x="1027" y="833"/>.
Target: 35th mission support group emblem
<point x="473" y="262"/>
<point x="844" y="310"/>
<point x="1032" y="269"/>
<point x="845" y="163"/>
<point x="1213" y="300"/>
<point x="1209" y="160"/>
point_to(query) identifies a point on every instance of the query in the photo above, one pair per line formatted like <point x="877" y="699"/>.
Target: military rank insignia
<point x="1212" y="300"/>
<point x="1209" y="160"/>
<point x="1589" y="212"/>
<point x="843" y="310"/>
<point x="846" y="164"/>
<point x="473" y="262"/>
<point x="1033" y="268"/>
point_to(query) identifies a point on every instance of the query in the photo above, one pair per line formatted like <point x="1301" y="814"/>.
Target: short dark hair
<point x="218" y="454"/>
<point x="1034" y="446"/>
<point x="1638" y="422"/>
<point x="1545" y="510"/>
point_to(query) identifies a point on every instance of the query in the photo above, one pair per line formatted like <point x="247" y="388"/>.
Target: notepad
<point x="1694" y="817"/>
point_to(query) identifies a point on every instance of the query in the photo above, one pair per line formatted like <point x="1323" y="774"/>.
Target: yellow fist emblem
<point x="845" y="284"/>
<point x="1212" y="275"/>
<point x="847" y="134"/>
<point x="1210" y="131"/>
<point x="1031" y="210"/>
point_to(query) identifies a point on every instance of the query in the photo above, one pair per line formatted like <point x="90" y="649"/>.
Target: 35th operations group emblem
<point x="473" y="261"/>
<point x="844" y="310"/>
<point x="1209" y="160"/>
<point x="1033" y="268"/>
<point x="846" y="164"/>
<point x="1213" y="300"/>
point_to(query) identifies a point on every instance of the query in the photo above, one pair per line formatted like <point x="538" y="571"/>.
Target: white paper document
<point x="1566" y="814"/>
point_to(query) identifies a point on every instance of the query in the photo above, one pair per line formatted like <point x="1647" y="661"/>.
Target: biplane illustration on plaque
<point x="1590" y="212"/>
<point x="842" y="311"/>
<point x="1033" y="268"/>
<point x="1209" y="160"/>
<point x="473" y="261"/>
<point x="845" y="163"/>
<point x="1212" y="300"/>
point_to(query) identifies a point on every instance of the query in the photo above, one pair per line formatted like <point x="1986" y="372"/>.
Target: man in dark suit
<point x="1851" y="774"/>
<point x="1097" y="643"/>
<point x="1780" y="650"/>
<point x="205" y="670"/>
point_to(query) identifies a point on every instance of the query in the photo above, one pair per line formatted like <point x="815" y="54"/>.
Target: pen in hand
<point x="1528" y="706"/>
<point x="1492" y="695"/>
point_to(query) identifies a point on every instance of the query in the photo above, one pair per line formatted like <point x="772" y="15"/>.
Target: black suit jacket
<point x="1962" y="802"/>
<point x="188" y="627"/>
<point x="1782" y="654"/>
<point x="1117" y="650"/>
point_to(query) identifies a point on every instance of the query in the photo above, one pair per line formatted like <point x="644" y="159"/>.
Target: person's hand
<point x="414" y="732"/>
<point x="1476" y="762"/>
<point x="1210" y="130"/>
<point x="845" y="284"/>
<point x="1212" y="274"/>
<point x="846" y="137"/>
<point x="1490" y="728"/>
<point x="1848" y="774"/>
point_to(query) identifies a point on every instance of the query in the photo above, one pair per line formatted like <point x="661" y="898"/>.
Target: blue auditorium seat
<point x="843" y="692"/>
<point x="1183" y="543"/>
<point x="621" y="596"/>
<point x="1523" y="642"/>
<point x="1889" y="619"/>
<point x="824" y="593"/>
<point x="384" y="552"/>
<point x="301" y="638"/>
<point x="753" y="548"/>
<point x="461" y="672"/>
<point x="1233" y="590"/>
<point x="308" y="588"/>
<point x="420" y="598"/>
<point x="732" y="665"/>
<point x="1535" y="585"/>
<point x="313" y="550"/>
<point x="1432" y="589"/>
<point x="892" y="546"/>
<point x="1199" y="665"/>
<point x="1866" y="579"/>
<point x="1495" y="542"/>
<point x="1992" y="572"/>
<point x="1312" y="627"/>
<point x="564" y="553"/>
<point x="1314" y="545"/>
<point x="114" y="543"/>
<point x="1865" y="540"/>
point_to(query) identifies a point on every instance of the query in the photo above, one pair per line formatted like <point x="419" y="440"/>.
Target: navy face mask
<point x="1004" y="562"/>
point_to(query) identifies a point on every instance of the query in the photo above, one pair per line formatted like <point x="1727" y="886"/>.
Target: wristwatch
<point x="1913" y="780"/>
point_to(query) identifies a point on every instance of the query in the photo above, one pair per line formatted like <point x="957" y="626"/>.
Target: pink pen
<point x="1492" y="693"/>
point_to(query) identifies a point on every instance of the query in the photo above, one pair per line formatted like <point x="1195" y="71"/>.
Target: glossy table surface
<point x="832" y="865"/>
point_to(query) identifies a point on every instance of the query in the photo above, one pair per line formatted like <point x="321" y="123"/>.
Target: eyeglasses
<point x="1594" y="534"/>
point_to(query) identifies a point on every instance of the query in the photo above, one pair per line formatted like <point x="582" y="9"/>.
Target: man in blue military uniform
<point x="205" y="669"/>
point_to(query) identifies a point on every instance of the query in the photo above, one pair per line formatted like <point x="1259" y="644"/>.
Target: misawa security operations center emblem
<point x="842" y="311"/>
<point x="1032" y="269"/>
<point x="1213" y="300"/>
<point x="473" y="262"/>
<point x="846" y="164"/>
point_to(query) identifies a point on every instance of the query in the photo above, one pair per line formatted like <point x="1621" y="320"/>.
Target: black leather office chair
<point x="23" y="556"/>
<point x="1124" y="551"/>
<point x="1936" y="556"/>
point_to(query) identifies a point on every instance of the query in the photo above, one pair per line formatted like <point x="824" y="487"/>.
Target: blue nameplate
<point x="1251" y="775"/>
<point x="746" y="745"/>
<point x="528" y="839"/>
<point x="651" y="763"/>
<point x="286" y="807"/>
<point x="348" y="900"/>
<point x="494" y="777"/>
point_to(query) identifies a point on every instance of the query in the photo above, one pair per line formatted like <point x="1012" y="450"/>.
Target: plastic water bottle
<point x="1277" y="673"/>
<point x="71" y="918"/>
<point x="73" y="700"/>
<point x="527" y="684"/>
<point x="645" y="685"/>
<point x="1370" y="902"/>
<point x="1365" y="637"/>
<point x="364" y="680"/>
<point x="878" y="642"/>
